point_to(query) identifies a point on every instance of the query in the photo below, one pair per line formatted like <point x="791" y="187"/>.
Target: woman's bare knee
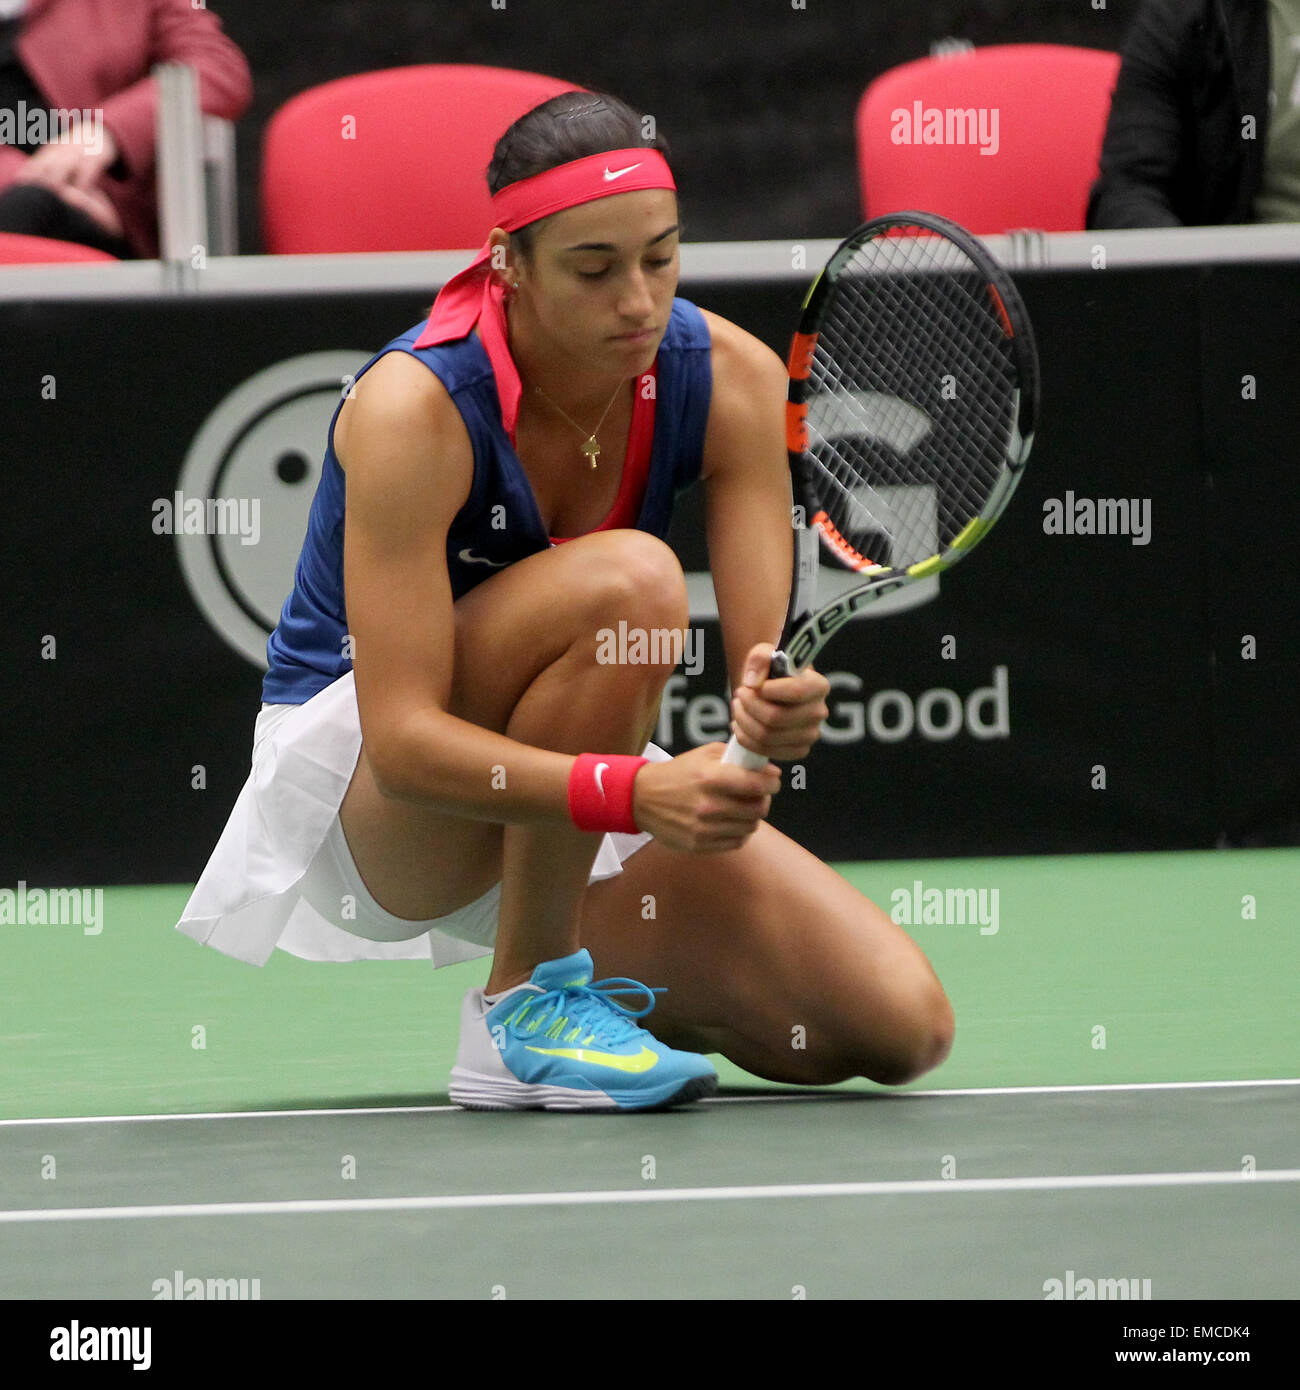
<point x="920" y="1040"/>
<point x="633" y="578"/>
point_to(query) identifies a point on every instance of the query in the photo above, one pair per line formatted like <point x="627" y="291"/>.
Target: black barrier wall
<point x="1059" y="691"/>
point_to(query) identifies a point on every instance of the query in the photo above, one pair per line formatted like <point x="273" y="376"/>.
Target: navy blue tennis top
<point x="306" y="652"/>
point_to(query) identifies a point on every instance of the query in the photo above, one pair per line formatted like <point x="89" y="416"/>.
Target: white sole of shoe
<point x="476" y="1091"/>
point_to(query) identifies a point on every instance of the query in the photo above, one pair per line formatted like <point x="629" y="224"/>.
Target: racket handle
<point x="737" y="753"/>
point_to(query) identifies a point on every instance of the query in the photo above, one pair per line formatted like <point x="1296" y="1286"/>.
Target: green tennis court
<point x="1119" y="1106"/>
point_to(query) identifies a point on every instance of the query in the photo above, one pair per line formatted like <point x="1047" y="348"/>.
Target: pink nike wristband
<point x="600" y="791"/>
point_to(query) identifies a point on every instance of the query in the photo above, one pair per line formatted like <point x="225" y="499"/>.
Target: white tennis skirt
<point x="282" y="875"/>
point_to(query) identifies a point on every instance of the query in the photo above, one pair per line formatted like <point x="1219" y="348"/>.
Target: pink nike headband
<point x="580" y="181"/>
<point x="460" y="302"/>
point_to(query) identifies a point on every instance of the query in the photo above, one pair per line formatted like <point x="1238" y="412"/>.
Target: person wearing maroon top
<point x="96" y="56"/>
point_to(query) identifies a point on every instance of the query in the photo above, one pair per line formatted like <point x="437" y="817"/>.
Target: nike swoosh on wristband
<point x="642" y="1061"/>
<point x="601" y="769"/>
<point x="468" y="559"/>
<point x="618" y="173"/>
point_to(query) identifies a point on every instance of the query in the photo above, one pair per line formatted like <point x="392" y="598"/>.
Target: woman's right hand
<point x="698" y="804"/>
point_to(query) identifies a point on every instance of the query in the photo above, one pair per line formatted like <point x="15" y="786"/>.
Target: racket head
<point x="912" y="403"/>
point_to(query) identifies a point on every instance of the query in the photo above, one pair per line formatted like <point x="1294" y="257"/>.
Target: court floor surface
<point x="1117" y="1118"/>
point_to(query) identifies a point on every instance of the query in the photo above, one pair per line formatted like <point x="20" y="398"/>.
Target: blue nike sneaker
<point x="561" y="1042"/>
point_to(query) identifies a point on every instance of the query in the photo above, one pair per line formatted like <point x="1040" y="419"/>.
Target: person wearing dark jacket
<point x="1204" y="126"/>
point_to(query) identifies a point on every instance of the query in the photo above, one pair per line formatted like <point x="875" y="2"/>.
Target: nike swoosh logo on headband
<point x="618" y="173"/>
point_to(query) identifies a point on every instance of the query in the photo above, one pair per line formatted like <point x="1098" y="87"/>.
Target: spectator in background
<point x="1204" y="125"/>
<point x="96" y="56"/>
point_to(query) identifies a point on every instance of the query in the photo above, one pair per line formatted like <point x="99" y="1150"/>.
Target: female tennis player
<point x="445" y="766"/>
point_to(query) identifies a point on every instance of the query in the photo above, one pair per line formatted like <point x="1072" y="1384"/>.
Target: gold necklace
<point x="590" y="447"/>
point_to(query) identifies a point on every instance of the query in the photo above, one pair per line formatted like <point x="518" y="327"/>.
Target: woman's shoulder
<point x="397" y="398"/>
<point x="741" y="362"/>
<point x="734" y="351"/>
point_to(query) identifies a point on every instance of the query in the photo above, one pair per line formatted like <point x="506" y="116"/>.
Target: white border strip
<point x="828" y="1094"/>
<point x="423" y="272"/>
<point x="783" y="1191"/>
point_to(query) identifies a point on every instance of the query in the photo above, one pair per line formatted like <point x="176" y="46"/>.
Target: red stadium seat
<point x="391" y="161"/>
<point x="1050" y="104"/>
<point x="18" y="249"/>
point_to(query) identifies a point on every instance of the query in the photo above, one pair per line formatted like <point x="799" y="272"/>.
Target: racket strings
<point x="911" y="397"/>
<point x="890" y="383"/>
<point x="891" y="377"/>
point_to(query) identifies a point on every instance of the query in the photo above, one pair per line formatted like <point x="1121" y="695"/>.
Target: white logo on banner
<point x="263" y="444"/>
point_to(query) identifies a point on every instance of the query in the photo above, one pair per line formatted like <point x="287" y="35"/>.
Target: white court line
<point x="1015" y="1090"/>
<point x="828" y="1094"/>
<point x="233" y="1115"/>
<point x="671" y="1194"/>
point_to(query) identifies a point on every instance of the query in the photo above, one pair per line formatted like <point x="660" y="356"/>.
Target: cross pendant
<point x="592" y="450"/>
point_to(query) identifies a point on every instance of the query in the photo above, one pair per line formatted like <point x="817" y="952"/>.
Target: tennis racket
<point x="911" y="409"/>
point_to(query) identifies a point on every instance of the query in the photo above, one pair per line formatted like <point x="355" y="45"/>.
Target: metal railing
<point x="196" y="181"/>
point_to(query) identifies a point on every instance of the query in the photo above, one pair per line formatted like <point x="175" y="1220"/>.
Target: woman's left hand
<point x="779" y="718"/>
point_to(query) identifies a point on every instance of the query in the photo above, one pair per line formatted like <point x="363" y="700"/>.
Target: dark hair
<point x="567" y="127"/>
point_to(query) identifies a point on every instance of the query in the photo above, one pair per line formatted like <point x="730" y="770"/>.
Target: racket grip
<point x="737" y="753"/>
